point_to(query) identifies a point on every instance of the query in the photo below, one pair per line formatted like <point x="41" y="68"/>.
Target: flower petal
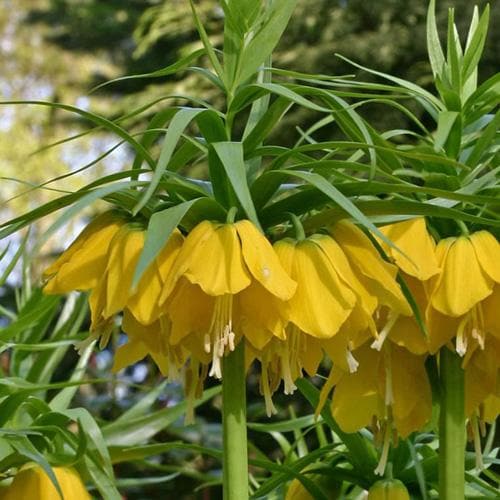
<point x="125" y="249"/>
<point x="373" y="272"/>
<point x="487" y="251"/>
<point x="322" y="302"/>
<point x="82" y="265"/>
<point x="463" y="283"/>
<point x="263" y="262"/>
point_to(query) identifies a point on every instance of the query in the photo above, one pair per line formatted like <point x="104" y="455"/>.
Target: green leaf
<point x="160" y="227"/>
<point x="206" y="42"/>
<point x="434" y="49"/>
<point x="139" y="430"/>
<point x="231" y="156"/>
<point x="475" y="43"/>
<point x="169" y="70"/>
<point x="484" y="141"/>
<point x="446" y="121"/>
<point x="265" y="39"/>
<point x="177" y="126"/>
<point x="337" y="197"/>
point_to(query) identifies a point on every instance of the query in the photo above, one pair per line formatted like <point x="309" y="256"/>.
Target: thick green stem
<point x="234" y="423"/>
<point x="451" y="427"/>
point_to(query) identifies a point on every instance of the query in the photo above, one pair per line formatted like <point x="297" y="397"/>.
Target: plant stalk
<point x="452" y="437"/>
<point x="234" y="425"/>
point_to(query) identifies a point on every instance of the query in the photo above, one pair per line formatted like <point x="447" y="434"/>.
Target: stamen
<point x="352" y="362"/>
<point x="380" y="469"/>
<point x="220" y="337"/>
<point x="379" y="342"/>
<point x="266" y="391"/>
<point x="461" y="343"/>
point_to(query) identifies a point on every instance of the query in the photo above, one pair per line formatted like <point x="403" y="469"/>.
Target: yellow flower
<point x="81" y="266"/>
<point x="152" y="340"/>
<point x="465" y="296"/>
<point x="222" y="280"/>
<point x="417" y="248"/>
<point x="31" y="482"/>
<point x="376" y="275"/>
<point x="326" y="287"/>
<point x="388" y="489"/>
<point x="470" y="270"/>
<point x="296" y="491"/>
<point x="389" y="391"/>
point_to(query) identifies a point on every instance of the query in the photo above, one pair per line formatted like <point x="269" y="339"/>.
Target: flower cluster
<point x="295" y="301"/>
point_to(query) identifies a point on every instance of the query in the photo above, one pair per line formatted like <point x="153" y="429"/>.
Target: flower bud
<point x="388" y="489"/>
<point x="31" y="482"/>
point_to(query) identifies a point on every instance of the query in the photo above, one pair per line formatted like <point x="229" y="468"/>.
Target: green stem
<point x="451" y="427"/>
<point x="234" y="425"/>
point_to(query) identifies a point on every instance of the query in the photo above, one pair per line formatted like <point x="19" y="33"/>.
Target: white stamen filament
<point x="220" y="337"/>
<point x="352" y="362"/>
<point x="385" y="453"/>
<point x="379" y="342"/>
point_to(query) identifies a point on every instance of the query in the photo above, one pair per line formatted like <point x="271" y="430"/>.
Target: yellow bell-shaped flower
<point x="221" y="287"/>
<point x="82" y="265"/>
<point x="464" y="298"/>
<point x="32" y="483"/>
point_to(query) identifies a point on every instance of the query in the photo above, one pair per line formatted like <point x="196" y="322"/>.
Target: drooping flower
<point x="415" y="248"/>
<point x="82" y="265"/>
<point x="221" y="280"/>
<point x="462" y="297"/>
<point x="389" y="392"/>
<point x="31" y="482"/>
<point x="376" y="275"/>
<point x="149" y="340"/>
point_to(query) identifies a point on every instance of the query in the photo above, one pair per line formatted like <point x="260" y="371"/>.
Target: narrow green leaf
<point x="266" y="38"/>
<point x="206" y="42"/>
<point x="434" y="49"/>
<point x="446" y="121"/>
<point x="475" y="42"/>
<point x="337" y="197"/>
<point x="177" y="126"/>
<point x="160" y="227"/>
<point x="169" y="70"/>
<point x="231" y="156"/>
<point x="140" y="429"/>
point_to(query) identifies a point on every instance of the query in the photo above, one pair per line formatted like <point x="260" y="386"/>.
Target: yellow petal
<point x="260" y="309"/>
<point x="339" y="261"/>
<point x="487" y="251"/>
<point x="491" y="312"/>
<point x="411" y="391"/>
<point x="190" y="310"/>
<point x="356" y="397"/>
<point x="376" y="275"/>
<point x="216" y="265"/>
<point x="31" y="482"/>
<point x="83" y="264"/>
<point x="322" y="302"/>
<point x="462" y="283"/>
<point x="144" y="304"/>
<point x="124" y="252"/>
<point x="263" y="262"/>
<point x="480" y="378"/>
<point x="406" y="332"/>
<point x="441" y="329"/>
<point x="129" y="354"/>
<point x="491" y="409"/>
<point x="413" y="239"/>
